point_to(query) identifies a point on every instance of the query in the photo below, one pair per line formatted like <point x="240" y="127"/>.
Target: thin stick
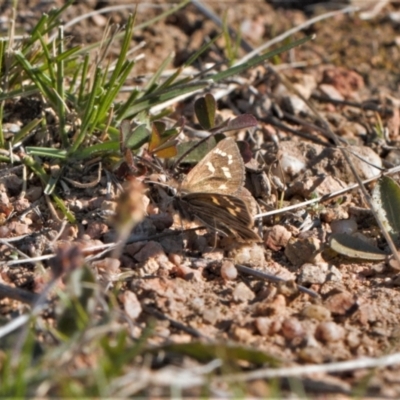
<point x="17" y="294"/>
<point x="328" y="196"/>
<point x="273" y="278"/>
<point x="352" y="365"/>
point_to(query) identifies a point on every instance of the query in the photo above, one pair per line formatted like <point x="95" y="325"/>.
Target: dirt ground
<point x="350" y="73"/>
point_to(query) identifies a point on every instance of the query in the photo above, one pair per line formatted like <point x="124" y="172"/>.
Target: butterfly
<point x="213" y="193"/>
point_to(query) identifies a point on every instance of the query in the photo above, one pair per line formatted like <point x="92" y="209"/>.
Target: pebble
<point x="316" y="311"/>
<point x="301" y="251"/>
<point x="248" y="254"/>
<point x="150" y="250"/>
<point x="263" y="325"/>
<point x="277" y="237"/>
<point x="131" y="304"/>
<point x="228" y="271"/>
<point x="329" y="332"/>
<point x="353" y="340"/>
<point x="242" y="293"/>
<point x="348" y="226"/>
<point x="292" y="328"/>
<point x="310" y="274"/>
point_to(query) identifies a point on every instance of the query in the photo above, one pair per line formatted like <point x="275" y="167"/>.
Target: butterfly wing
<point x="224" y="213"/>
<point x="221" y="170"/>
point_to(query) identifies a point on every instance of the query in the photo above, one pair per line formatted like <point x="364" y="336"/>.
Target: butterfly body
<point x="213" y="193"/>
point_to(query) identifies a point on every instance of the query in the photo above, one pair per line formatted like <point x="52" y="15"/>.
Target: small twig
<point x="39" y="304"/>
<point x="13" y="248"/>
<point x="176" y="324"/>
<point x="363" y="106"/>
<point x="15" y="238"/>
<point x="88" y="184"/>
<point x="52" y="209"/>
<point x="277" y="123"/>
<point x="24" y="182"/>
<point x="31" y="260"/>
<point x="17" y="294"/>
<point x="267" y="373"/>
<point x="296" y="29"/>
<point x="327" y="196"/>
<point x="309" y="125"/>
<point x="273" y="278"/>
<point x="60" y="231"/>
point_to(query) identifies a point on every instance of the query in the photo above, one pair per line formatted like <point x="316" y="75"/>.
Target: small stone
<point x="150" y="250"/>
<point x="241" y="334"/>
<point x="228" y="271"/>
<point x="20" y="205"/>
<point x="329" y="332"/>
<point x="292" y="328"/>
<point x="76" y="205"/>
<point x="96" y="230"/>
<point x="171" y="245"/>
<point x="348" y="226"/>
<point x="13" y="184"/>
<point x="312" y="355"/>
<point x="134" y="248"/>
<point x="288" y="288"/>
<point x="162" y="221"/>
<point x="131" y="304"/>
<point x="330" y="91"/>
<point x="353" y="339"/>
<point x="316" y="311"/>
<point x="276" y="325"/>
<point x="242" y="293"/>
<point x="211" y="315"/>
<point x="247" y="254"/>
<point x="301" y="251"/>
<point x="310" y="274"/>
<point x="108" y="267"/>
<point x="278" y="305"/>
<point x="18" y="227"/>
<point x="4" y="231"/>
<point x="277" y="237"/>
<point x="263" y="325"/>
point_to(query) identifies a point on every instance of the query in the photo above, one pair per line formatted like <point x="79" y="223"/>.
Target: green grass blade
<point x="26" y="130"/>
<point x="127" y="38"/>
<point x="90" y="110"/>
<point x="84" y="76"/>
<point x="157" y="98"/>
<point x="96" y="150"/>
<point x="60" y="204"/>
<point x="61" y="106"/>
<point x="112" y="93"/>
<point x="43" y="83"/>
<point x="47" y="152"/>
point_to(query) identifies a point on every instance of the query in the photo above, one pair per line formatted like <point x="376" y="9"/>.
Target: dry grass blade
<point x="366" y="362"/>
